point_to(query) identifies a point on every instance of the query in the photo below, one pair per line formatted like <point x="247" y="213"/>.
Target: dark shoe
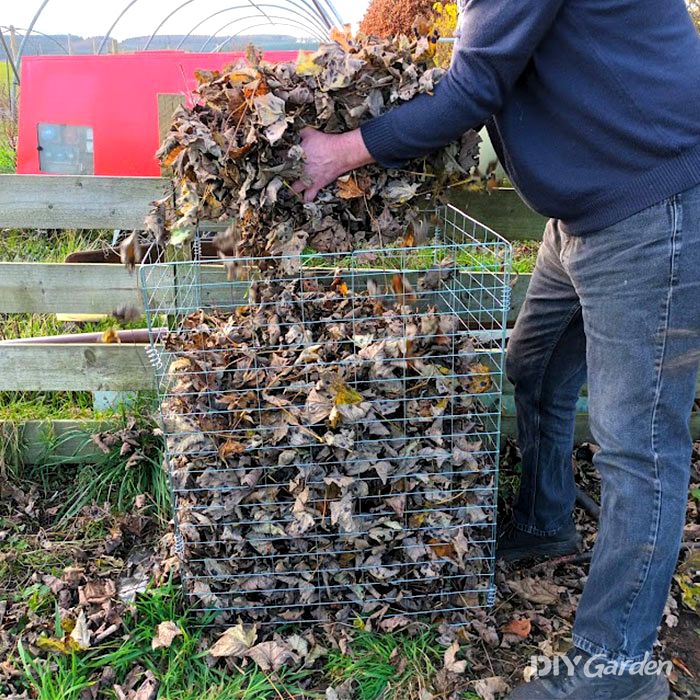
<point x="579" y="676"/>
<point x="513" y="544"/>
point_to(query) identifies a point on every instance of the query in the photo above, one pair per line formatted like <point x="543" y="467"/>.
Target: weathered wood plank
<point x="77" y="367"/>
<point x="41" y="288"/>
<point x="503" y="211"/>
<point x="67" y="201"/>
<point x="92" y="288"/>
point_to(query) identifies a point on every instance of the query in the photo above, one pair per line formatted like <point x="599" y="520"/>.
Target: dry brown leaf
<point x="80" y="634"/>
<point x="165" y="634"/>
<point x="537" y="591"/>
<point x="110" y="336"/>
<point x="235" y="641"/>
<point x="130" y="251"/>
<point x="519" y="628"/>
<point x="172" y="156"/>
<point x="272" y="655"/>
<point x="231" y="447"/>
<point x="491" y="688"/>
<point x="348" y="188"/>
<point x="450" y="659"/>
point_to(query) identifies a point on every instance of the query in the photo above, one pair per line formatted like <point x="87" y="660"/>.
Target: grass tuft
<point x="388" y="666"/>
<point x="103" y="478"/>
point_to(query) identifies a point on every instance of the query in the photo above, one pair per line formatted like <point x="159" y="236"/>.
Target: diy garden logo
<point x="593" y="666"/>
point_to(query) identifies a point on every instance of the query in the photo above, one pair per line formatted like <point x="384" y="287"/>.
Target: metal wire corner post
<point x="333" y="431"/>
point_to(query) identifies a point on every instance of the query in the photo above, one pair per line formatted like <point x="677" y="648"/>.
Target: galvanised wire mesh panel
<point x="333" y="429"/>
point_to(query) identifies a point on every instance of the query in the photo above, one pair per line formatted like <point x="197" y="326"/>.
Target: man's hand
<point x="328" y="156"/>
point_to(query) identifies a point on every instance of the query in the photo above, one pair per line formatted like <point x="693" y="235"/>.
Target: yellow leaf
<point x="480" y="382"/>
<point x="80" y="636"/>
<point x="335" y="417"/>
<point x="306" y="64"/>
<point x="347" y="396"/>
<point x="110" y="336"/>
<point x="50" y="644"/>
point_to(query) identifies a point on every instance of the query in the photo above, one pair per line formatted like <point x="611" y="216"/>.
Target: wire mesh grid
<point x="333" y="430"/>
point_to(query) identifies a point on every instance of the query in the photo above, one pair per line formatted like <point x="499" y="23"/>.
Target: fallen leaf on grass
<point x="235" y="641"/>
<point x="81" y="634"/>
<point x="271" y="655"/>
<point x="519" y="628"/>
<point x="490" y="688"/>
<point x="148" y="689"/>
<point x="165" y="634"/>
<point x="451" y="663"/>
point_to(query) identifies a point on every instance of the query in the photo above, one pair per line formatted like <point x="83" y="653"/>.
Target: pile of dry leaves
<point x="328" y="455"/>
<point x="236" y="152"/>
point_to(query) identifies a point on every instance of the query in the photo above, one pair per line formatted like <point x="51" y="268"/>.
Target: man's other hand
<point x="328" y="156"/>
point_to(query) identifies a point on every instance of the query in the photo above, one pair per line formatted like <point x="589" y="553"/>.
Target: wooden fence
<point x="56" y="202"/>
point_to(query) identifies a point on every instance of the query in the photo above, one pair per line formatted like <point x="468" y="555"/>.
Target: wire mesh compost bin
<point x="333" y="428"/>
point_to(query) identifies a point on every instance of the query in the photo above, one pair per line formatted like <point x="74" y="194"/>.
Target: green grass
<point x="474" y="258"/>
<point x="7" y="158"/>
<point x="62" y="678"/>
<point x="388" y="666"/>
<point x="183" y="670"/>
<point x="102" y="478"/>
<point x="47" y="246"/>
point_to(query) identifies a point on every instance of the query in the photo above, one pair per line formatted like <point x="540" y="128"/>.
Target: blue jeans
<point x="620" y="308"/>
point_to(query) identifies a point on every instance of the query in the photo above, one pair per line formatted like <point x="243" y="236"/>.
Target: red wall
<point x="116" y="95"/>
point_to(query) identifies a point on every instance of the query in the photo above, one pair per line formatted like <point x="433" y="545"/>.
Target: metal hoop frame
<point x="314" y="16"/>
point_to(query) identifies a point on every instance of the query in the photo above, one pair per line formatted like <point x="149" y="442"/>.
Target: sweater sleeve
<point x="495" y="42"/>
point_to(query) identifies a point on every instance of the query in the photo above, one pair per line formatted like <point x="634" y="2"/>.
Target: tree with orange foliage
<point x="387" y="18"/>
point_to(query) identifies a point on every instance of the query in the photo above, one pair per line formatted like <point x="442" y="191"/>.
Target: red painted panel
<point x="116" y="96"/>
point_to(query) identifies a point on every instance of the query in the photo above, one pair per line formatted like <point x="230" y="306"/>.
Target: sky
<point x="94" y="17"/>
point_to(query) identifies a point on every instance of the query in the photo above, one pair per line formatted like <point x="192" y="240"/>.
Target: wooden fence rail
<point x="55" y="202"/>
<point x="66" y="201"/>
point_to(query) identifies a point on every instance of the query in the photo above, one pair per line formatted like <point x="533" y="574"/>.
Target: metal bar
<point x="118" y="18"/>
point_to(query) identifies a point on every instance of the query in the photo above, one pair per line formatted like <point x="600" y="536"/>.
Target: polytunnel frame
<point x="247" y="28"/>
<point x="304" y="11"/>
<point x="238" y="7"/>
<point x="317" y="17"/>
<point x="316" y="34"/>
<point x="324" y="12"/>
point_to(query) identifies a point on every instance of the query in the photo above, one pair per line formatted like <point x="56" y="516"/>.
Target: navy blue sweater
<point x="593" y="106"/>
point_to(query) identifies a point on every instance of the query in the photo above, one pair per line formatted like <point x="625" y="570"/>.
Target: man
<point x="594" y="109"/>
